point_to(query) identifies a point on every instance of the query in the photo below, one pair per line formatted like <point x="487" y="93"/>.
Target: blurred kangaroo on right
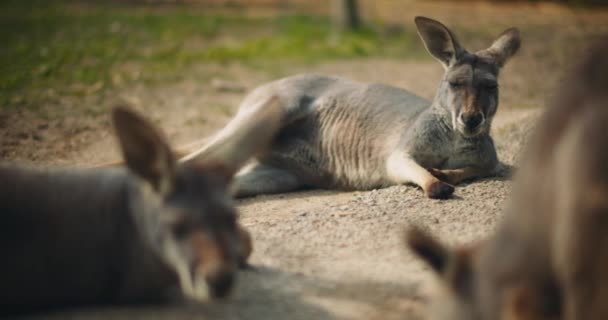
<point x="549" y="257"/>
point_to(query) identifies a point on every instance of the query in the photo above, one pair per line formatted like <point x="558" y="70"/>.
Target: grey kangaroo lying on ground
<point x="347" y="135"/>
<point x="136" y="235"/>
<point x="548" y="259"/>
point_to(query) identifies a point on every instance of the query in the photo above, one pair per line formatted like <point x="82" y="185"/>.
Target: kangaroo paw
<point x="439" y="190"/>
<point x="453" y="176"/>
<point x="439" y="174"/>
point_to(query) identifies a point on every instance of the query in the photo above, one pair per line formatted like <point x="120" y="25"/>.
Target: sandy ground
<point x="318" y="254"/>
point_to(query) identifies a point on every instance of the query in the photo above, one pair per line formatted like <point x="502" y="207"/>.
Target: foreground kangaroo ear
<point x="504" y="47"/>
<point x="439" y="40"/>
<point x="248" y="134"/>
<point x="427" y="248"/>
<point x="453" y="266"/>
<point x="144" y="149"/>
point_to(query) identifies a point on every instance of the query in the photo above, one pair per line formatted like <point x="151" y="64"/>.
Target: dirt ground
<point x="318" y="254"/>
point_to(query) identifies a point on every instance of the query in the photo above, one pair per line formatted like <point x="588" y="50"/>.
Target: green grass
<point x="57" y="48"/>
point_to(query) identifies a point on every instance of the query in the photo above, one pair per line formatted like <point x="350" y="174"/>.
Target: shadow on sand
<point x="265" y="294"/>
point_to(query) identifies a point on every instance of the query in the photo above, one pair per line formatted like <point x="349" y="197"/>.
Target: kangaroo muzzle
<point x="220" y="284"/>
<point x="471" y="122"/>
<point x="212" y="271"/>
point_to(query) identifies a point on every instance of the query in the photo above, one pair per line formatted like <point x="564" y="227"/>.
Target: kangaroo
<point x="547" y="259"/>
<point x="138" y="234"/>
<point x="342" y="134"/>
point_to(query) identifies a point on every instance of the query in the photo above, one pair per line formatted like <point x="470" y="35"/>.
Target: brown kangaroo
<point x="138" y="234"/>
<point x="548" y="258"/>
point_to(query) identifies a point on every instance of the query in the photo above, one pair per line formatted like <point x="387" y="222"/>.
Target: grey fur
<point x="155" y="231"/>
<point x="54" y="257"/>
<point x="342" y="134"/>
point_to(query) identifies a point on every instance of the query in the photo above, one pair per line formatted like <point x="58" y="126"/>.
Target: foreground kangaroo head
<point x="547" y="259"/>
<point x="469" y="89"/>
<point x="185" y="210"/>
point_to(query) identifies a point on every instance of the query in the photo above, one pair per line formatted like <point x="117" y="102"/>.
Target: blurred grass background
<point x="75" y="48"/>
<point x="78" y="48"/>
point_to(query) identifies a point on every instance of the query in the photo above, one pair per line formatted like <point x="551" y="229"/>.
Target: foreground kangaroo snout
<point x="211" y="251"/>
<point x="205" y="249"/>
<point x="208" y="261"/>
<point x="221" y="277"/>
<point x="200" y="283"/>
<point x="220" y="283"/>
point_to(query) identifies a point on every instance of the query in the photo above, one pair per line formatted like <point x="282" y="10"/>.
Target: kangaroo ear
<point x="427" y="248"/>
<point x="144" y="149"/>
<point x="453" y="266"/>
<point x="439" y="40"/>
<point x="504" y="47"/>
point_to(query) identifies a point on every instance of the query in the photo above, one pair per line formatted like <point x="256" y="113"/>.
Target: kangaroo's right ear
<point x="439" y="40"/>
<point x="504" y="47"/>
<point x="453" y="266"/>
<point x="144" y="149"/>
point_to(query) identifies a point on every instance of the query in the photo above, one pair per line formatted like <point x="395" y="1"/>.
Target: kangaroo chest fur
<point x="340" y="133"/>
<point x="69" y="239"/>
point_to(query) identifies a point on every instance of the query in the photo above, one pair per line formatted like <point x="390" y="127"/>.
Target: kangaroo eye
<point x="181" y="228"/>
<point x="455" y="85"/>
<point x="491" y="86"/>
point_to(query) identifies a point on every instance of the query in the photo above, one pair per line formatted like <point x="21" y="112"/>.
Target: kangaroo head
<point x="478" y="287"/>
<point x="184" y="210"/>
<point x="469" y="88"/>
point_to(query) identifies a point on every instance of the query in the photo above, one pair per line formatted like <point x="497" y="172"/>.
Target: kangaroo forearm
<point x="403" y="169"/>
<point x="456" y="176"/>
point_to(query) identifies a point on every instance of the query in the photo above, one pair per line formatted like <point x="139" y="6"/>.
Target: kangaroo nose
<point x="220" y="284"/>
<point x="472" y="121"/>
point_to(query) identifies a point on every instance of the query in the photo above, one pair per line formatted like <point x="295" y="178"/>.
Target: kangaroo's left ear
<point x="454" y="267"/>
<point x="504" y="47"/>
<point x="439" y="41"/>
<point x="145" y="149"/>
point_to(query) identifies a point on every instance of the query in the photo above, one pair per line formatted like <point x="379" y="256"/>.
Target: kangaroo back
<point x="580" y="202"/>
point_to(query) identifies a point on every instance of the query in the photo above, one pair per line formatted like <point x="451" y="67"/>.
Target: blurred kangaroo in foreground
<point x="549" y="258"/>
<point x="347" y="135"/>
<point x="114" y="236"/>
